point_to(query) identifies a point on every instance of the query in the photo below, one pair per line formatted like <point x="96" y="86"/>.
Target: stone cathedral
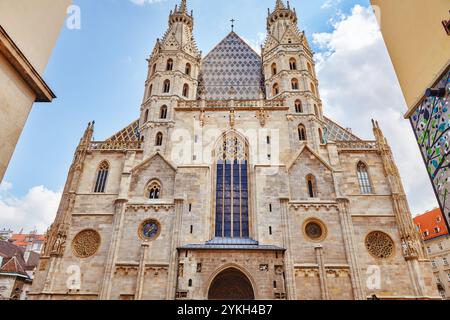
<point x="233" y="184"/>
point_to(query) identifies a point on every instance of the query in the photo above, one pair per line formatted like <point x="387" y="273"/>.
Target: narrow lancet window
<point x="102" y="176"/>
<point x="363" y="178"/>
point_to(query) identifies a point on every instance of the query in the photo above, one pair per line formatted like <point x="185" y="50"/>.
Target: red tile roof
<point x="22" y="240"/>
<point x="431" y="224"/>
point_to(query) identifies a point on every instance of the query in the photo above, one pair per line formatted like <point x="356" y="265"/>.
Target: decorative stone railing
<point x="357" y="145"/>
<point x="224" y="104"/>
<point x="116" y="145"/>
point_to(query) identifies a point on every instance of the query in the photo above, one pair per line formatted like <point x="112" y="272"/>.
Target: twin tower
<point x="177" y="74"/>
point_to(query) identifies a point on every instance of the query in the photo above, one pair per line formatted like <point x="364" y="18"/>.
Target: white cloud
<point x="358" y="83"/>
<point x="256" y="43"/>
<point x="143" y="2"/>
<point x="37" y="209"/>
<point x="330" y="3"/>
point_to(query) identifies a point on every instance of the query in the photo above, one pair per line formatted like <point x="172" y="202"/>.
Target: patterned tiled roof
<point x="232" y="66"/>
<point x="129" y="134"/>
<point x="337" y="133"/>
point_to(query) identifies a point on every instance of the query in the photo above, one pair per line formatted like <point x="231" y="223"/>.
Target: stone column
<point x="173" y="260"/>
<point x="105" y="293"/>
<point x="141" y="271"/>
<point x="288" y="263"/>
<point x="322" y="273"/>
<point x="350" y="249"/>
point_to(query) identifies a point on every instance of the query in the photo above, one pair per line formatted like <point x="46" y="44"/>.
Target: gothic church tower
<point x="173" y="70"/>
<point x="289" y="74"/>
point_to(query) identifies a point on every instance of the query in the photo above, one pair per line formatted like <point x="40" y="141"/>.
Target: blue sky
<point x="98" y="73"/>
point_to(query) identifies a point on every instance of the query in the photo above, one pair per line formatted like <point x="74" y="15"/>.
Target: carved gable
<point x="154" y="168"/>
<point x="308" y="163"/>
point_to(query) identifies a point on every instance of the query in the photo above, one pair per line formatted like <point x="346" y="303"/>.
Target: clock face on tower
<point x="150" y="230"/>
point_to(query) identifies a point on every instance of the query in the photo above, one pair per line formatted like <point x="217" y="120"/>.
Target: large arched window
<point x="169" y="66"/>
<point x="102" y="176"/>
<point x="301" y="133"/>
<point x="293" y="64"/>
<point x="232" y="206"/>
<point x="275" y="89"/>
<point x="298" y="106"/>
<point x="294" y="83"/>
<point x="154" y="190"/>
<point x="311" y="186"/>
<point x="159" y="139"/>
<point x="163" y="112"/>
<point x="186" y="90"/>
<point x="363" y="178"/>
<point x="166" y="88"/>
<point x="188" y="69"/>
<point x="274" y="68"/>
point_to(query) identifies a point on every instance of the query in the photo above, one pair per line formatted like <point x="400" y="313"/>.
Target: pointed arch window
<point x="364" y="179"/>
<point x="188" y="69"/>
<point x="163" y="112"/>
<point x="301" y="133"/>
<point x="309" y="67"/>
<point x="159" y="139"/>
<point x="154" y="190"/>
<point x="166" y="86"/>
<point x="186" y="90"/>
<point x="150" y="90"/>
<point x="153" y="69"/>
<point x="293" y="64"/>
<point x="311" y="186"/>
<point x="232" y="206"/>
<point x="275" y="89"/>
<point x="102" y="176"/>
<point x="298" y="106"/>
<point x="316" y="110"/>
<point x="313" y="88"/>
<point x="169" y="66"/>
<point x="294" y="83"/>
<point x="321" y="138"/>
<point x="274" y="68"/>
<point x="146" y="115"/>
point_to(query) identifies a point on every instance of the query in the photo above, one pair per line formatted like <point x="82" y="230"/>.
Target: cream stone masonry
<point x="232" y="184"/>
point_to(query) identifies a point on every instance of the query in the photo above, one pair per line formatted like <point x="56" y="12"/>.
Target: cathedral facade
<point x="233" y="184"/>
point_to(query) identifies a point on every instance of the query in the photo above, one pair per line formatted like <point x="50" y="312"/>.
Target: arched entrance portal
<point x="231" y="284"/>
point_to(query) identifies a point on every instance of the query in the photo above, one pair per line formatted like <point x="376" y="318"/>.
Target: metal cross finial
<point x="232" y="24"/>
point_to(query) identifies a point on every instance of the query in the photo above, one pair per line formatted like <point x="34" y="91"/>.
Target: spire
<point x="183" y="6"/>
<point x="180" y="14"/>
<point x="280" y="5"/>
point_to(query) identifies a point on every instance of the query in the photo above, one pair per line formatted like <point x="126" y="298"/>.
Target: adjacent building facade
<point x="417" y="36"/>
<point x="31" y="241"/>
<point x="17" y="266"/>
<point x="437" y="244"/>
<point x="28" y="33"/>
<point x="233" y="184"/>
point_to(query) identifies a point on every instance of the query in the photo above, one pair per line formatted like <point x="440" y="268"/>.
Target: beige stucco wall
<point x="416" y="40"/>
<point x="34" y="26"/>
<point x="16" y="99"/>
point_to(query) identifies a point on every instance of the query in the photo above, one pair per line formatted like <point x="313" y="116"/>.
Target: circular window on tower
<point x="86" y="243"/>
<point x="315" y="230"/>
<point x="379" y="245"/>
<point x="149" y="230"/>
